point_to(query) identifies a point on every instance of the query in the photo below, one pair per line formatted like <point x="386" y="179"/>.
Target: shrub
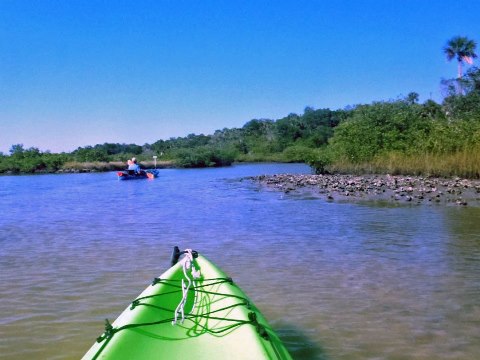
<point x="320" y="160"/>
<point x="203" y="157"/>
<point x="297" y="153"/>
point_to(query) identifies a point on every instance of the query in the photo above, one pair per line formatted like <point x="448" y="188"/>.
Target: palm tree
<point x="463" y="49"/>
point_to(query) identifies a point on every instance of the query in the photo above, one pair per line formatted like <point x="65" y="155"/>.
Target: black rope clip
<point x="135" y="303"/>
<point x="260" y="328"/>
<point x="176" y="255"/>
<point x="156" y="281"/>
<point x="109" y="331"/>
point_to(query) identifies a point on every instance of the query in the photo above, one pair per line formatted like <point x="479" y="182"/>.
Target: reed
<point x="462" y="163"/>
<point x="254" y="158"/>
<point x="97" y="166"/>
<point x="163" y="164"/>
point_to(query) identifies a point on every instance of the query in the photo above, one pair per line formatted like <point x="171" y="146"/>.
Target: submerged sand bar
<point x="398" y="189"/>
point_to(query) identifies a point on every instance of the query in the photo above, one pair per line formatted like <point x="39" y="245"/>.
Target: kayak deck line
<point x="110" y="330"/>
<point x="215" y="308"/>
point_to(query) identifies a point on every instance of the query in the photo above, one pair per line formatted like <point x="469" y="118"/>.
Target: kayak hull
<point x="220" y="322"/>
<point x="131" y="175"/>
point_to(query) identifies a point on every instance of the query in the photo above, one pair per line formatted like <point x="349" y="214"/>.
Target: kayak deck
<point x="220" y="322"/>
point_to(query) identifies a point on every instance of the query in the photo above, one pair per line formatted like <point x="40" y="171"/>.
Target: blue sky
<point x="76" y="73"/>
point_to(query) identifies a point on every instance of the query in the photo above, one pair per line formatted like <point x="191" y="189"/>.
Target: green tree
<point x="412" y="98"/>
<point x="380" y="128"/>
<point x="461" y="48"/>
<point x="203" y="156"/>
<point x="465" y="105"/>
<point x="17" y="150"/>
<point x="89" y="153"/>
<point x="471" y="81"/>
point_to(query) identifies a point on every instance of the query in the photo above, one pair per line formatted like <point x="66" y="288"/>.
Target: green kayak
<point x="193" y="310"/>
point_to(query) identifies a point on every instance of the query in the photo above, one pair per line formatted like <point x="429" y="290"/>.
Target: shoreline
<point x="99" y="166"/>
<point x="93" y="167"/>
<point x="381" y="188"/>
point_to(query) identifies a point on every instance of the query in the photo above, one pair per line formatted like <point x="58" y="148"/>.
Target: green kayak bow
<point x="193" y="310"/>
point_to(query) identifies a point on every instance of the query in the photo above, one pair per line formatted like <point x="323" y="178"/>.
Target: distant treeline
<point x="395" y="136"/>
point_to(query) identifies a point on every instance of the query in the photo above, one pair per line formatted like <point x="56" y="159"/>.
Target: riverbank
<point x="76" y="167"/>
<point x="395" y="189"/>
<point x="93" y="167"/>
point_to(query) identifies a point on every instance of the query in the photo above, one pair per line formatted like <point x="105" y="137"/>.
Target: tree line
<point x="396" y="136"/>
<point x="288" y="139"/>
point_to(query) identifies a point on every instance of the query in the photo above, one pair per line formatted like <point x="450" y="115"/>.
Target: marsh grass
<point x="463" y="163"/>
<point x="100" y="166"/>
<point x="74" y="166"/>
<point x="163" y="164"/>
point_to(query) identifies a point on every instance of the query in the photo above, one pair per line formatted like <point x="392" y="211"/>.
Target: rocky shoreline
<point x="395" y="189"/>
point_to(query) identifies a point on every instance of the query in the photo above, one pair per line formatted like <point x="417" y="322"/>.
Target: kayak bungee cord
<point x="178" y="286"/>
<point x="110" y="331"/>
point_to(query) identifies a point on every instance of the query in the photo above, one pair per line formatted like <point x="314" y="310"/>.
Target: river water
<point x="336" y="280"/>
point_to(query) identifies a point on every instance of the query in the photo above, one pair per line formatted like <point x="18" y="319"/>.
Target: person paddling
<point x="132" y="165"/>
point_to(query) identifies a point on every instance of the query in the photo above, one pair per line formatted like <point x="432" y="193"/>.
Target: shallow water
<point x="337" y="280"/>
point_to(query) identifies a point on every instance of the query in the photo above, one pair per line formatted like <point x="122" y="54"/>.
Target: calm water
<point x="338" y="281"/>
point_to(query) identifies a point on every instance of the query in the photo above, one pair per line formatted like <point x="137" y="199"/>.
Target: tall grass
<point x="160" y="164"/>
<point x="462" y="163"/>
<point x="99" y="166"/>
<point x="252" y="158"/>
<point x="74" y="166"/>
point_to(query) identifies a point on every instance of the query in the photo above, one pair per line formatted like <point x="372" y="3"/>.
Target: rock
<point x="377" y="187"/>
